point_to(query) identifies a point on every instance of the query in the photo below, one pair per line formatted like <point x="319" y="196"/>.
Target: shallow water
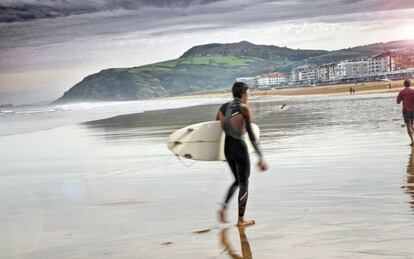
<point x="340" y="185"/>
<point x="31" y="118"/>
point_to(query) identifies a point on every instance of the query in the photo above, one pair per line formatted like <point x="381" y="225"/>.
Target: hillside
<point x="205" y="68"/>
<point x="247" y="49"/>
<point x="365" y="51"/>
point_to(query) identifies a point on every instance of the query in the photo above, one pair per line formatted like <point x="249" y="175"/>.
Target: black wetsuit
<point x="237" y="155"/>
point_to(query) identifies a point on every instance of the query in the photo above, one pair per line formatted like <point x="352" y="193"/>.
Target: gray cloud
<point x="352" y="1"/>
<point x="26" y="10"/>
<point x="29" y="10"/>
<point x="91" y="27"/>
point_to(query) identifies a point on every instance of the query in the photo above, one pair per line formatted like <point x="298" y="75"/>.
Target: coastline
<point x="21" y="120"/>
<point x="24" y="123"/>
<point x="341" y="89"/>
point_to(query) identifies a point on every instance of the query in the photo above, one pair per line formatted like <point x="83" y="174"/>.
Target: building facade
<point x="352" y="69"/>
<point x="402" y="59"/>
<point x="272" y="79"/>
<point x="380" y="63"/>
<point x="396" y="64"/>
<point x="305" y="74"/>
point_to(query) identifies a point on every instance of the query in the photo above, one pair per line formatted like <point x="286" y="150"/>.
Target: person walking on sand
<point x="407" y="97"/>
<point x="235" y="118"/>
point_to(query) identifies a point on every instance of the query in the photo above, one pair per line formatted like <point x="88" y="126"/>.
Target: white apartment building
<point x="352" y="69"/>
<point x="271" y="79"/>
<point x="323" y="73"/>
<point x="380" y="63"/>
<point x="298" y="74"/>
<point x="327" y="72"/>
<point x="333" y="71"/>
<point x="304" y="74"/>
<point x="311" y="74"/>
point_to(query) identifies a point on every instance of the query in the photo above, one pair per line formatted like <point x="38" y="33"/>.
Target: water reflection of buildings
<point x="409" y="188"/>
<point x="244" y="242"/>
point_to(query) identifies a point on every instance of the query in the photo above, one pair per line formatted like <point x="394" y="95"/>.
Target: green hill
<point x="247" y="49"/>
<point x="365" y="51"/>
<point x="206" y="68"/>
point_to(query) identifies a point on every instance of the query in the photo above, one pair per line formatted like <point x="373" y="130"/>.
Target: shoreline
<point x="341" y="89"/>
<point x="23" y="122"/>
<point x="334" y="90"/>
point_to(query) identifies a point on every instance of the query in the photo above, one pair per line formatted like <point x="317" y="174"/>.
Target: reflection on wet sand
<point x="409" y="188"/>
<point x="159" y="123"/>
<point x="244" y="242"/>
<point x="111" y="188"/>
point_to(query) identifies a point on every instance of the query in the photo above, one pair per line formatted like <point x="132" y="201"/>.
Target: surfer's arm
<point x="399" y="98"/>
<point x="218" y="115"/>
<point x="247" y="115"/>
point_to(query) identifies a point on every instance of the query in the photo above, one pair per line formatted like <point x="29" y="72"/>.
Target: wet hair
<point x="407" y="83"/>
<point x="239" y="88"/>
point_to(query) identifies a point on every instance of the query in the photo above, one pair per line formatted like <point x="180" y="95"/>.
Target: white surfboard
<point x="204" y="141"/>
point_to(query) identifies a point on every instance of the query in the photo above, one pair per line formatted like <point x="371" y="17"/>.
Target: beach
<point x="339" y="89"/>
<point x="340" y="185"/>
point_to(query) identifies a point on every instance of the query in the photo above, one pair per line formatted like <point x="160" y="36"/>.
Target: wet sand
<point x="340" y="185"/>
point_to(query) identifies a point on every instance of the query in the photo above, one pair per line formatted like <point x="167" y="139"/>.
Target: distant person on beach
<point x="351" y="90"/>
<point x="407" y="97"/>
<point x="236" y="117"/>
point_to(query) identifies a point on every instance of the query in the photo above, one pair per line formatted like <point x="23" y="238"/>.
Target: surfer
<point x="235" y="117"/>
<point x="407" y="97"/>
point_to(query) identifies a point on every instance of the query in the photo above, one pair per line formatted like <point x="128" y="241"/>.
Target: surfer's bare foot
<point x="411" y="144"/>
<point x="244" y="223"/>
<point x="222" y="215"/>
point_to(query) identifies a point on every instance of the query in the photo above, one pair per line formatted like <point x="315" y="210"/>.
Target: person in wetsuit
<point x="235" y="117"/>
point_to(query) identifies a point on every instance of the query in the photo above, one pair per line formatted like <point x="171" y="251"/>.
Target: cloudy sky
<point x="46" y="46"/>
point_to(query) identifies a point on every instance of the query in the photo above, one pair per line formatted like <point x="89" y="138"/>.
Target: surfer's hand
<point x="262" y="165"/>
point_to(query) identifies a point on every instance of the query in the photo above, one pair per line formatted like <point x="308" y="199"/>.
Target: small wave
<point x="34" y="112"/>
<point x="60" y="115"/>
<point x="6" y="111"/>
